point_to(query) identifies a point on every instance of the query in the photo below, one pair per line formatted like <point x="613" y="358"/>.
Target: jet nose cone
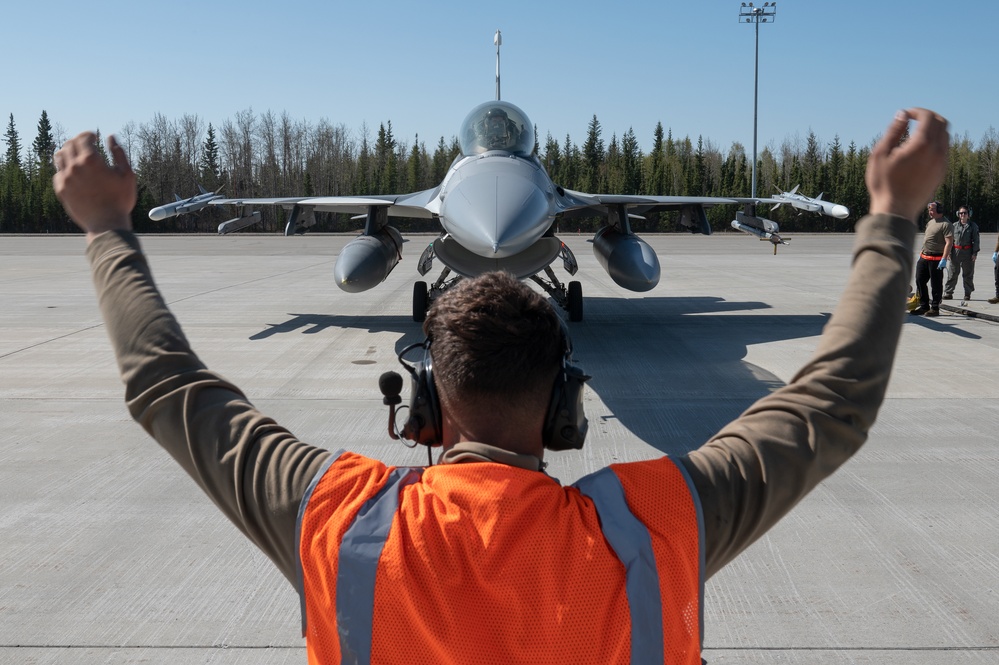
<point x="840" y="211"/>
<point x="496" y="215"/>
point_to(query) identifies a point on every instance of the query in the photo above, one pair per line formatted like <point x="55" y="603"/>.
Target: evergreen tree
<point x="101" y="147"/>
<point x="552" y="158"/>
<point x="684" y="173"/>
<point x="210" y="175"/>
<point x="696" y="171"/>
<point x="631" y="156"/>
<point x="13" y="183"/>
<point x="655" y="176"/>
<point x="414" y="167"/>
<point x="385" y="160"/>
<point x="613" y="167"/>
<point x="44" y="144"/>
<point x="441" y="161"/>
<point x="13" y="140"/>
<point x="593" y="157"/>
<point x="832" y="185"/>
<point x="569" y="173"/>
<point x="670" y="169"/>
<point x="44" y="210"/>
<point x="811" y="166"/>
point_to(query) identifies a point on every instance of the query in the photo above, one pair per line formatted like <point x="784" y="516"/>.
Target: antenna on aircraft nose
<point x="498" y="40"/>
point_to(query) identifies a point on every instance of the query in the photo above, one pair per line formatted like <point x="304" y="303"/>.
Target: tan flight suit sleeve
<point x="759" y="466"/>
<point x="252" y="468"/>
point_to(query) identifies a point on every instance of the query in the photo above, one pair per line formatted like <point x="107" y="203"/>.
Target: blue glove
<point x="942" y="265"/>
<point x="995" y="255"/>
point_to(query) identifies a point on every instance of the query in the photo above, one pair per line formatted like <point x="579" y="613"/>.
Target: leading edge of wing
<point x="576" y="200"/>
<point x="399" y="205"/>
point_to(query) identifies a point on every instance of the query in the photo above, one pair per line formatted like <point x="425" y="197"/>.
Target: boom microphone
<point x="390" y="383"/>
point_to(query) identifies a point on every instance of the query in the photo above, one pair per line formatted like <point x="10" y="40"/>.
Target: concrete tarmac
<point x="110" y="554"/>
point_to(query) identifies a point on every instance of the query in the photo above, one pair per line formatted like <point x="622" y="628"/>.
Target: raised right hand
<point x="903" y="177"/>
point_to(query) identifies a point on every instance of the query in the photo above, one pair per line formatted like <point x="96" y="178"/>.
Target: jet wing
<point x="580" y="201"/>
<point x="618" y="207"/>
<point x="417" y="204"/>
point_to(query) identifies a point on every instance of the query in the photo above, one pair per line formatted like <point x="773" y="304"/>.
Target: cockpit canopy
<point x="497" y="126"/>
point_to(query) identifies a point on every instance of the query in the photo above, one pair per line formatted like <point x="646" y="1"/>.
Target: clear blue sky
<point x="835" y="68"/>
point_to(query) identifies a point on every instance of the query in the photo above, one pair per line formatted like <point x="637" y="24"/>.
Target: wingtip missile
<point x="809" y="204"/>
<point x="839" y="211"/>
<point x="182" y="206"/>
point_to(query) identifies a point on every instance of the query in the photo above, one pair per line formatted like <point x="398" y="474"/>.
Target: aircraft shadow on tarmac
<point x="671" y="370"/>
<point x="311" y="324"/>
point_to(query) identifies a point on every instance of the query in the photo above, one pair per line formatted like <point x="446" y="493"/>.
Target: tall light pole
<point x="750" y="14"/>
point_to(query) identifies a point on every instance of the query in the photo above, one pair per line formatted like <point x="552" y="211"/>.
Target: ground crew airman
<point x="938" y="240"/>
<point x="963" y="255"/>
<point x="482" y="557"/>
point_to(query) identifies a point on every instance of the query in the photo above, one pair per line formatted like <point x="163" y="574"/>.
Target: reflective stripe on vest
<point x="299" y="573"/>
<point x="700" y="543"/>
<point x="360" y="550"/>
<point x="632" y="544"/>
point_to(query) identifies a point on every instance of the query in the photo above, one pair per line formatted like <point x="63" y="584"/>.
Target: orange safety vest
<point x="487" y="563"/>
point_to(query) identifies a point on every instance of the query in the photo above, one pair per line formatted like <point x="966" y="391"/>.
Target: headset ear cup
<point x="566" y="424"/>
<point x="424" y="422"/>
<point x="435" y="436"/>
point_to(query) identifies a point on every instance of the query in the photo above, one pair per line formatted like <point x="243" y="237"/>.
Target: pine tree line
<point x="266" y="155"/>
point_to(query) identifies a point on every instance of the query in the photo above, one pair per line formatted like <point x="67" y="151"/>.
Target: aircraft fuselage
<point x="497" y="204"/>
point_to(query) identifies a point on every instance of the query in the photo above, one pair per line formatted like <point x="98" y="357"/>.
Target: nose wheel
<point x="574" y="301"/>
<point x="424" y="295"/>
<point x="568" y="296"/>
<point x="421" y="299"/>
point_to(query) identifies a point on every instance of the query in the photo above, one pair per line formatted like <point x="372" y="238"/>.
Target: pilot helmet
<point x="496" y="129"/>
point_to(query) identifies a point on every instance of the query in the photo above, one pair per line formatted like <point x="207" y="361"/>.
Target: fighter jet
<point x="498" y="210"/>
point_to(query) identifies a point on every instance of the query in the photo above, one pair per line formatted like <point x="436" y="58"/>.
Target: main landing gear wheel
<point x="420" y="301"/>
<point x="574" y="296"/>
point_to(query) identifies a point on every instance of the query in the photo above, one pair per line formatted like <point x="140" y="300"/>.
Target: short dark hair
<point x="493" y="336"/>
